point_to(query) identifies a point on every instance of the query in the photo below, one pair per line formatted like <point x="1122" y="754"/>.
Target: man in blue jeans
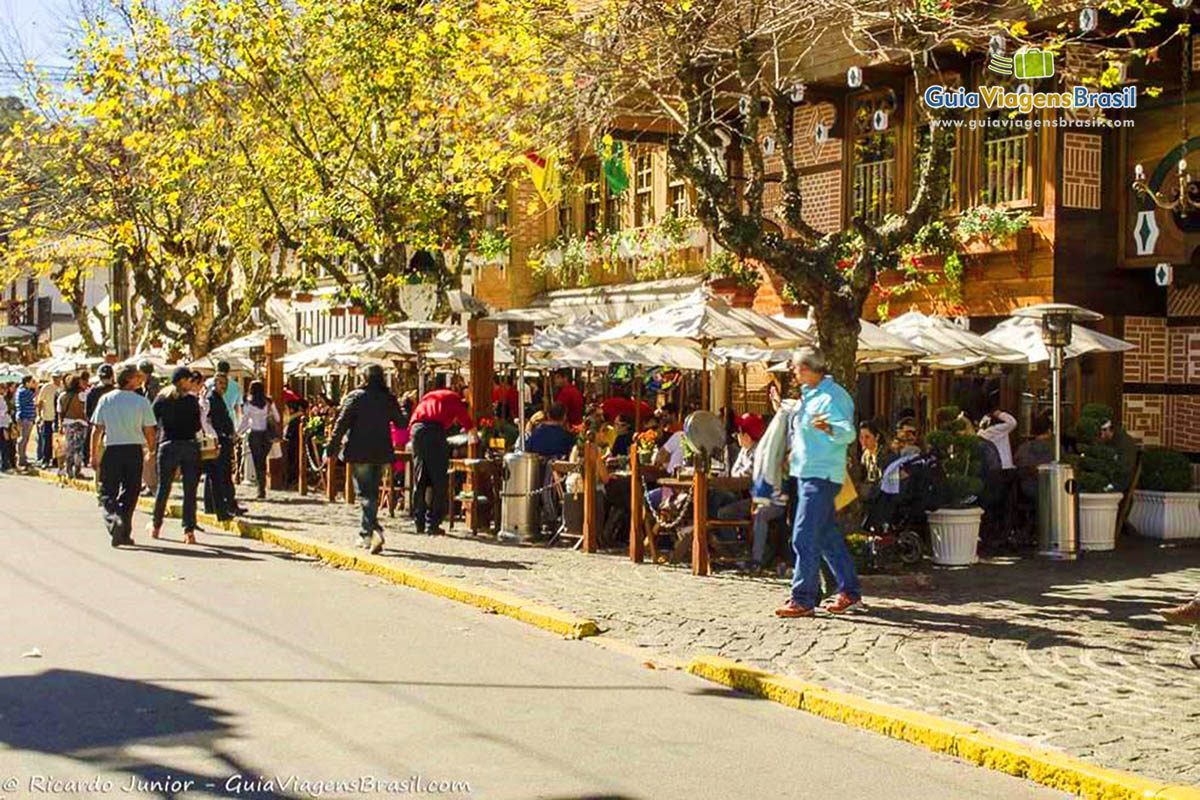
<point x="364" y="424"/>
<point x="820" y="429"/>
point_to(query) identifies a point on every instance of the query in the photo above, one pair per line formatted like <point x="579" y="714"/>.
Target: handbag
<point x="210" y="448"/>
<point x="276" y="450"/>
<point x="846" y="495"/>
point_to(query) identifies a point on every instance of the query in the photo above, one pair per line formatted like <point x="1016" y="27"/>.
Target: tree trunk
<point x="837" y="337"/>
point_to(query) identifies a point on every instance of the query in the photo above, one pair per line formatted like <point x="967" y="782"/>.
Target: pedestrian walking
<point x="72" y="415"/>
<point x="150" y="389"/>
<point x="26" y="418"/>
<point x="436" y="413"/>
<point x="7" y="426"/>
<point x="365" y="423"/>
<point x="178" y="413"/>
<point x="820" y="429"/>
<point x="218" y="472"/>
<point x="124" y="422"/>
<point x="47" y="412"/>
<point x="261" y="419"/>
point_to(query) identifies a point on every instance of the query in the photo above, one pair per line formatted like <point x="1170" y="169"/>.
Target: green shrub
<point x="1165" y="470"/>
<point x="1098" y="466"/>
<point x="961" y="458"/>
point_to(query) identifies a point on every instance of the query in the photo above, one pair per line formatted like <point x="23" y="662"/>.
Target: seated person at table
<point x="750" y="428"/>
<point x="621" y="406"/>
<point x="1036" y="451"/>
<point x="623" y="439"/>
<point x="668" y="417"/>
<point x="874" y="457"/>
<point x="905" y="441"/>
<point x="671" y="455"/>
<point x="603" y="433"/>
<point x="552" y="440"/>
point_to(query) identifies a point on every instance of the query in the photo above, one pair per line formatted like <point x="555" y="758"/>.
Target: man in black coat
<point x="218" y="473"/>
<point x="364" y="423"/>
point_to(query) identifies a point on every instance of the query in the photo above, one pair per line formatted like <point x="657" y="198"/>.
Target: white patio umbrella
<point x="335" y="354"/>
<point x="238" y="352"/>
<point x="949" y="346"/>
<point x="1025" y="336"/>
<point x="700" y="322"/>
<point x="875" y="346"/>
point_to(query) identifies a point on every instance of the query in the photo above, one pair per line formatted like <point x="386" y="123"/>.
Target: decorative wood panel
<point x="1148" y="363"/>
<point x="1183" y="302"/>
<point x="1143" y="416"/>
<point x="1081" y="170"/>
<point x="808" y="152"/>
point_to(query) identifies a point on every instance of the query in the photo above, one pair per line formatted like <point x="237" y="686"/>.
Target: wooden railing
<point x="1006" y="173"/>
<point x="874" y="189"/>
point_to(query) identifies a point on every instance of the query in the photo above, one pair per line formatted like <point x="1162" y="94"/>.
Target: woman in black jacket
<point x="177" y="410"/>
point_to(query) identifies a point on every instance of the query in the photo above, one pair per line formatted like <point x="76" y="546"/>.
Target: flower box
<point x="337" y="312"/>
<point x="1022" y="242"/>
<point x="1166" y="515"/>
<point x="376" y="319"/>
<point x="303" y="297"/>
<point x="357" y="311"/>
<point x="283" y="294"/>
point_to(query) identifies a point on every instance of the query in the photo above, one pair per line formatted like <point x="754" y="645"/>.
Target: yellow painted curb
<point x="542" y="616"/>
<point x="1047" y="767"/>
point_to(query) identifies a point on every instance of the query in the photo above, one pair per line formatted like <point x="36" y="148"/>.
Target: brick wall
<point x="1148" y="363"/>
<point x="821" y="193"/>
<point x="1184" y="302"/>
<point x="1183" y="422"/>
<point x="1183" y="359"/>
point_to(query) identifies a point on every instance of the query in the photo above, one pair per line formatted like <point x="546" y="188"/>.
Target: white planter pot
<point x="1098" y="521"/>
<point x="954" y="533"/>
<point x="1166" y="515"/>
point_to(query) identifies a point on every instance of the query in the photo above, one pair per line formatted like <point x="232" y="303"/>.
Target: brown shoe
<point x="842" y="603"/>
<point x="376" y="546"/>
<point x="791" y="609"/>
<point x="1186" y="614"/>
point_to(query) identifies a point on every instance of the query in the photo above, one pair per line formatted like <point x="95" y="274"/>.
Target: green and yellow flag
<point x="614" y="162"/>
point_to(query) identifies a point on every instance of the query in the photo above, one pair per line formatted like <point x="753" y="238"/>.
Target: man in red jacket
<point x="438" y="412"/>
<point x="570" y="397"/>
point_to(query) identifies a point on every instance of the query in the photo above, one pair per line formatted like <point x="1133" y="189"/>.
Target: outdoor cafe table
<point x="699" y="484"/>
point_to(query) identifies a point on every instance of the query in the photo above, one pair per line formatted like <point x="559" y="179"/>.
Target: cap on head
<point x="752" y="425"/>
<point x="146" y="367"/>
<point x="223" y="367"/>
<point x="105" y="372"/>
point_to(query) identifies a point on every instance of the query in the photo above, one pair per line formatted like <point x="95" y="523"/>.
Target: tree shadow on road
<point x="104" y="721"/>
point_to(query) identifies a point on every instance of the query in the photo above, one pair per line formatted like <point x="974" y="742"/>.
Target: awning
<point x="611" y="304"/>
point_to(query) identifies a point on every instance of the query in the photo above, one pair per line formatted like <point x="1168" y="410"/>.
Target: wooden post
<point x="482" y="335"/>
<point x="331" y="488"/>
<point x="349" y="476"/>
<point x="636" y="544"/>
<point x="704" y="398"/>
<point x="275" y="349"/>
<point x="589" y="498"/>
<point x="389" y="476"/>
<point x="302" y="458"/>
<point x="700" y="565"/>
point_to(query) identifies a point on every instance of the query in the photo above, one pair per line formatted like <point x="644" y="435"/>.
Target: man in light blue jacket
<point x="820" y="429"/>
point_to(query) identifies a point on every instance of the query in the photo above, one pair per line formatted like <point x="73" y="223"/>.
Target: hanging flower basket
<point x="337" y="311"/>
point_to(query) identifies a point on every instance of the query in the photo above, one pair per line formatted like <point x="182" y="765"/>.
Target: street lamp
<point x="1056" y="481"/>
<point x="520" y="336"/>
<point x="421" y="340"/>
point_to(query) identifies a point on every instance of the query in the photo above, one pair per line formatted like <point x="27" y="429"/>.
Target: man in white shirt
<point x="671" y="455"/>
<point x="47" y="410"/>
<point x="996" y="427"/>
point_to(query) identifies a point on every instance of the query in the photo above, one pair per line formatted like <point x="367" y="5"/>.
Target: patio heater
<point x="520" y="509"/>
<point x="1057" y="532"/>
<point x="421" y="340"/>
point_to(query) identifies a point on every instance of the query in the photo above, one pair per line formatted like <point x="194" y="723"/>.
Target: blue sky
<point x="41" y="26"/>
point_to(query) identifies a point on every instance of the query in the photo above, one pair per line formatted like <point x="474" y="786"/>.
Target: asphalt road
<point x="170" y="671"/>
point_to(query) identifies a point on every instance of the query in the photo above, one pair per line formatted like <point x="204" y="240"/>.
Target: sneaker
<point x="376" y="546"/>
<point x="792" y="609"/>
<point x="364" y="542"/>
<point x="842" y="603"/>
<point x="1186" y="614"/>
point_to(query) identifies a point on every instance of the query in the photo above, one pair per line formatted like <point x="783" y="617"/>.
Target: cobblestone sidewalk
<point x="1069" y="656"/>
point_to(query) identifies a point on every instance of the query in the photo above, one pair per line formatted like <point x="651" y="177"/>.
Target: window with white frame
<point x="643" y="208"/>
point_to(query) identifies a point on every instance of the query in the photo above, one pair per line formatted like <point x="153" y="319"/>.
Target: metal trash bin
<point x="520" y="508"/>
<point x="1058" y="534"/>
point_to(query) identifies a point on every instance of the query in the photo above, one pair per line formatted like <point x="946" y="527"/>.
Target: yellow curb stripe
<point x="542" y="616"/>
<point x="1049" y="768"/>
